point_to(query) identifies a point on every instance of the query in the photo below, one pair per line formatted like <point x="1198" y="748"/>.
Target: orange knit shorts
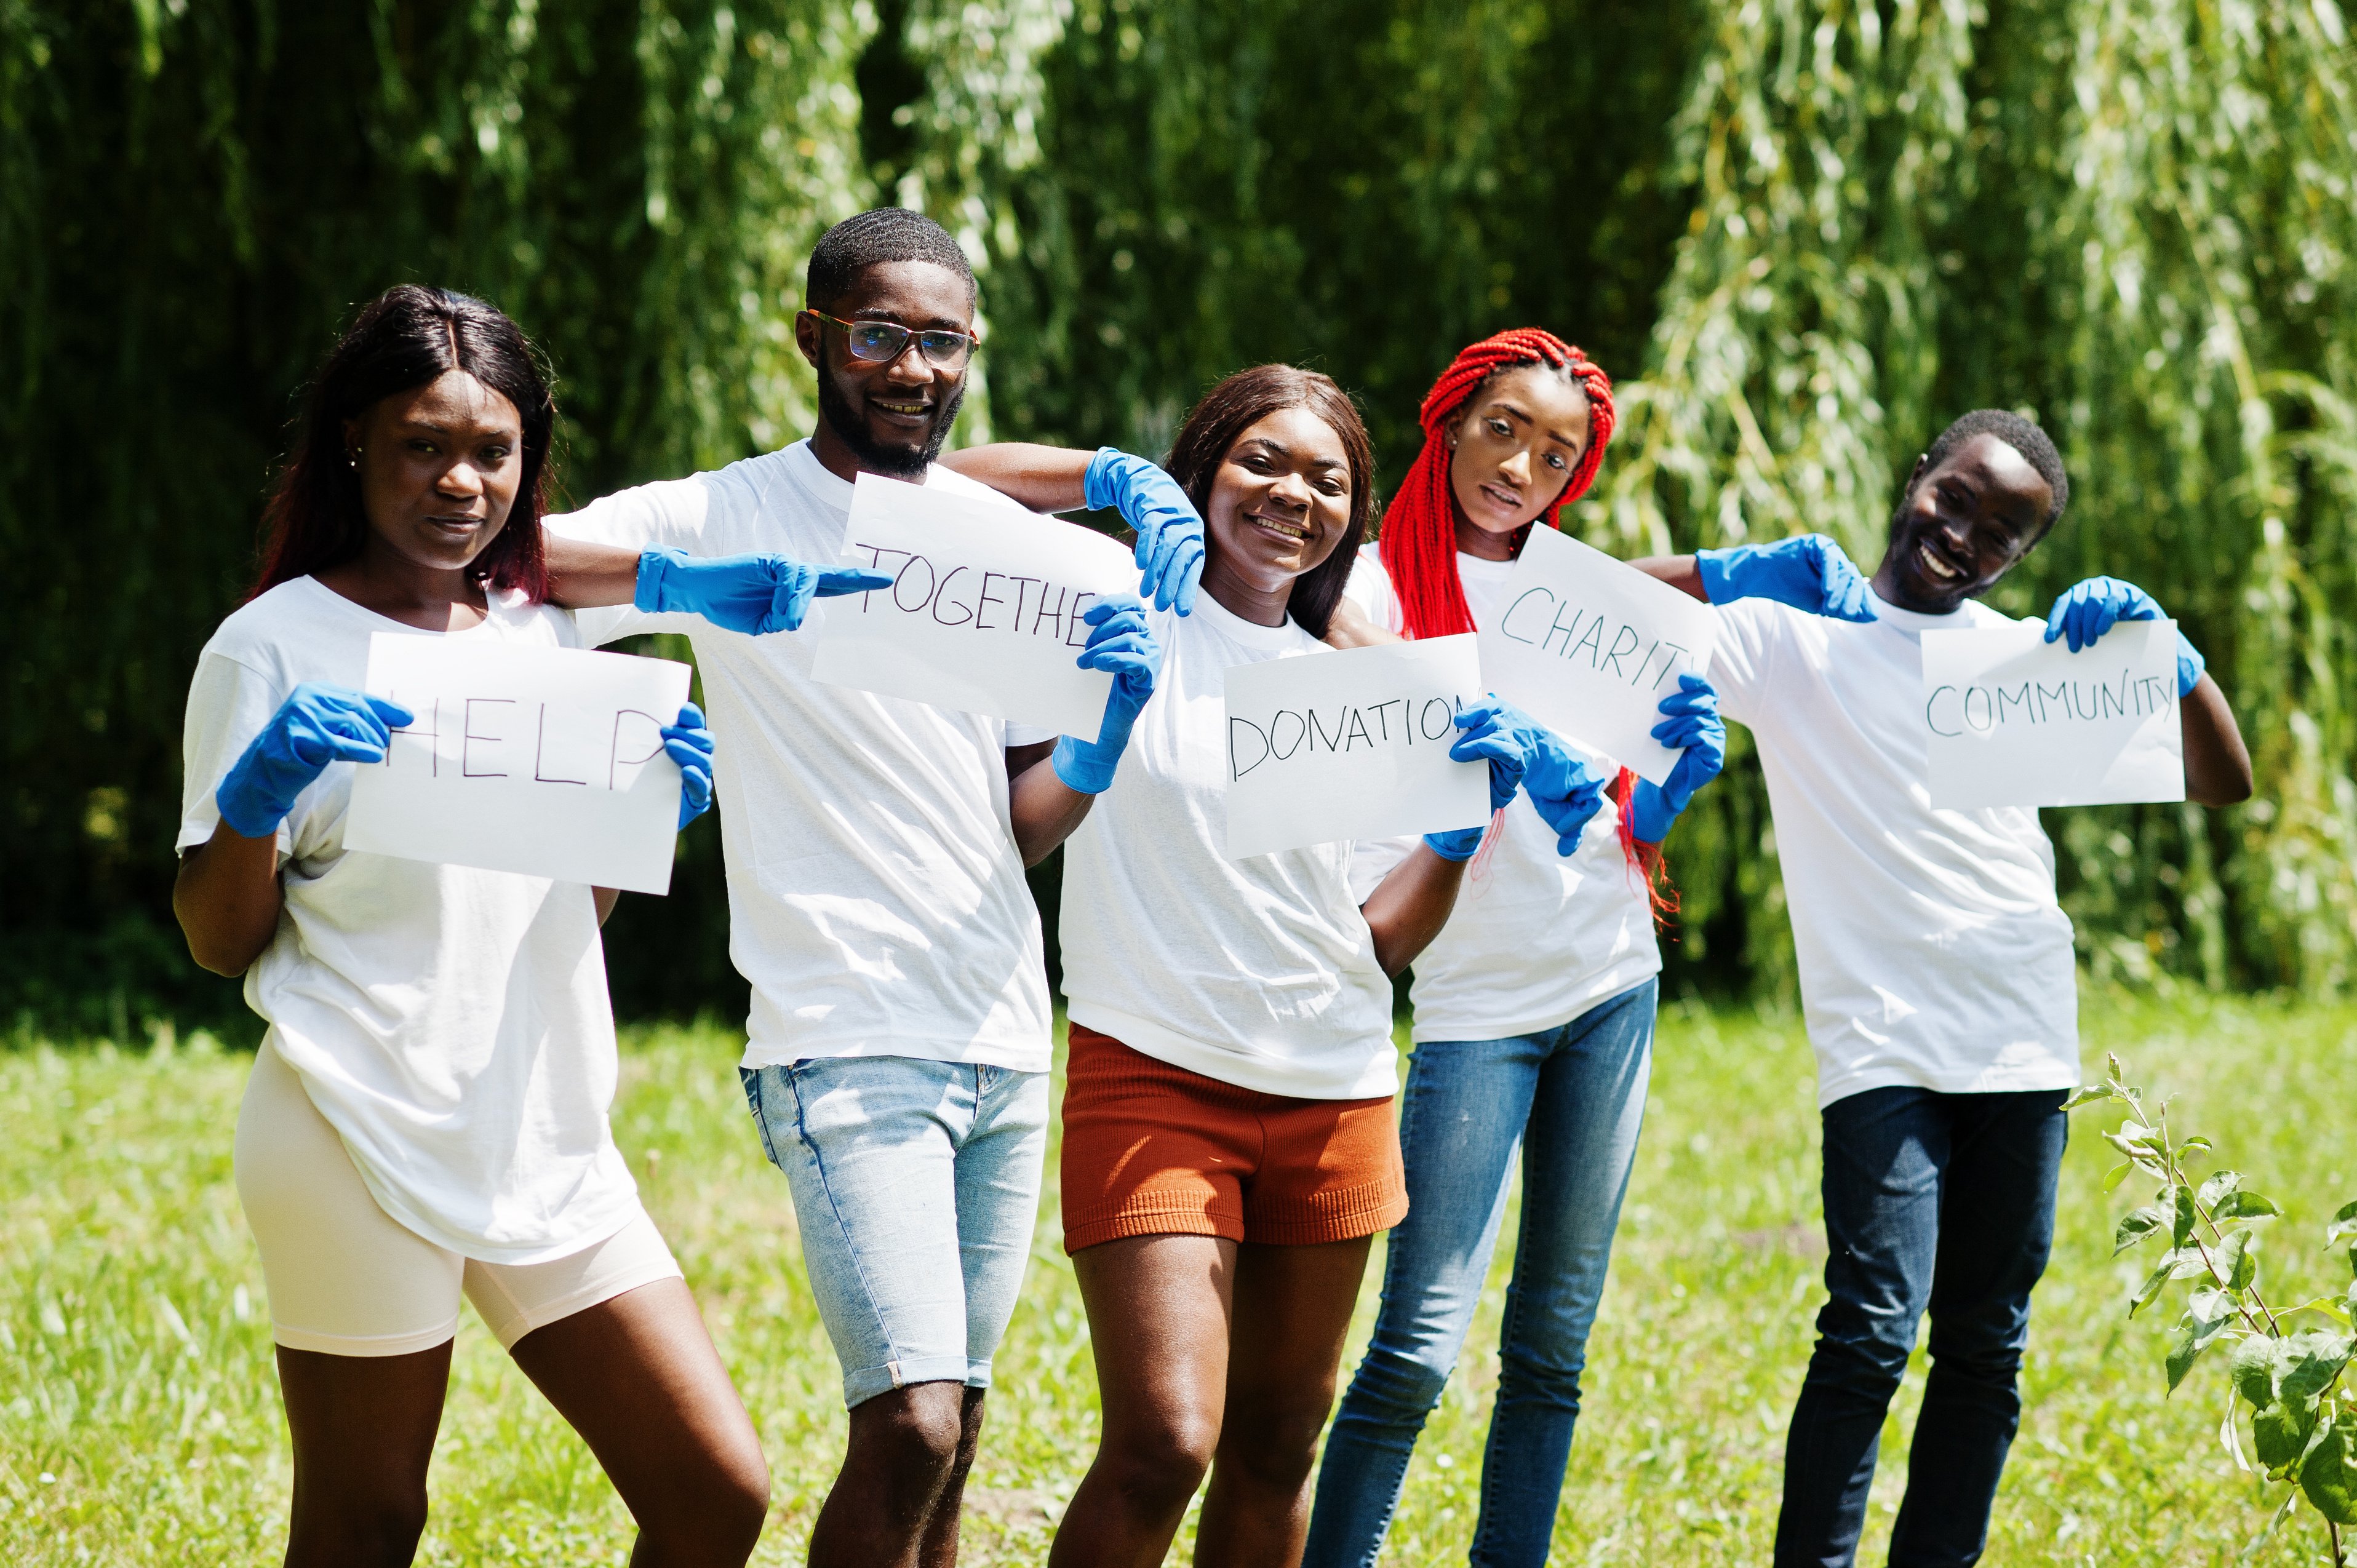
<point x="1154" y="1149"/>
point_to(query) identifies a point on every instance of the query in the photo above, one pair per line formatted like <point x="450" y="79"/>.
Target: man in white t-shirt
<point x="1936" y="971"/>
<point x="898" y="1052"/>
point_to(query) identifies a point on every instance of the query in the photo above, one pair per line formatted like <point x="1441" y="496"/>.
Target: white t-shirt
<point x="450" y="1023"/>
<point x="1258" y="973"/>
<point x="1932" y="951"/>
<point x="1536" y="938"/>
<point x="875" y="898"/>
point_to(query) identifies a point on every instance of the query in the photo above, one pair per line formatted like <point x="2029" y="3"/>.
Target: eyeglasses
<point x="881" y="342"/>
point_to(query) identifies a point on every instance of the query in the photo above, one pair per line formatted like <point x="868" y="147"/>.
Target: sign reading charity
<point x="1589" y="646"/>
<point x="1352" y="745"/>
<point x="547" y="761"/>
<point x="2010" y="719"/>
<point x="984" y="613"/>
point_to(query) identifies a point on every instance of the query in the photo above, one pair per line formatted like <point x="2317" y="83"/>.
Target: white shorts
<point x="346" y="1279"/>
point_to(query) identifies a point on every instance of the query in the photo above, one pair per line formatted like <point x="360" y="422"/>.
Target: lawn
<point x="139" y="1424"/>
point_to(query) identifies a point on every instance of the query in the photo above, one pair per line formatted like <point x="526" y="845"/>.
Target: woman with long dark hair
<point x="1229" y="1148"/>
<point x="1534" y="1005"/>
<point x="427" y="1115"/>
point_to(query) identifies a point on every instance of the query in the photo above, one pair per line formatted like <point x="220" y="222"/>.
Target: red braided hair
<point x="1419" y="538"/>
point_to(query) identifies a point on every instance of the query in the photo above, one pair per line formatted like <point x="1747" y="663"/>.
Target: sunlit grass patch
<point x="139" y="1420"/>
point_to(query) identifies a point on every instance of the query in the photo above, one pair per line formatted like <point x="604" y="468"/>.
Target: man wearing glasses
<point x="898" y="1052"/>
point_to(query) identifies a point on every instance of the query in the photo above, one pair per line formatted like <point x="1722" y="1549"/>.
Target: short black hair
<point x="2024" y="436"/>
<point x="880" y="234"/>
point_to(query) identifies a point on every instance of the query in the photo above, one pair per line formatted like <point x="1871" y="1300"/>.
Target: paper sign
<point x="1589" y="646"/>
<point x="984" y="613"/>
<point x="541" y="760"/>
<point x="1352" y="745"/>
<point x="2013" y="720"/>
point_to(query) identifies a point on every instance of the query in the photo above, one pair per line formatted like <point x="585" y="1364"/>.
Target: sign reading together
<point x="985" y="612"/>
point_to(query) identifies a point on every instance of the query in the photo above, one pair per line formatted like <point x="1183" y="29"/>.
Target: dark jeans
<point x="1937" y="1200"/>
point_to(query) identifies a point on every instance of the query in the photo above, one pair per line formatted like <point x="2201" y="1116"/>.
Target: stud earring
<point x="353" y="458"/>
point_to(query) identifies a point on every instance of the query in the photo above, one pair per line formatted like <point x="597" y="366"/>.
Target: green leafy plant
<point x="2292" y="1376"/>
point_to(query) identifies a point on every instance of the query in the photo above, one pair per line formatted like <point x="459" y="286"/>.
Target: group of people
<point x="426" y="1118"/>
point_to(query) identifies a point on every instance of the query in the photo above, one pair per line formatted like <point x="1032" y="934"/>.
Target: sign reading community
<point x="2010" y="719"/>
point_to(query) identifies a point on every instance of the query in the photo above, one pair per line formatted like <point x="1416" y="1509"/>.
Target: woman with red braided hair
<point x="1534" y="1005"/>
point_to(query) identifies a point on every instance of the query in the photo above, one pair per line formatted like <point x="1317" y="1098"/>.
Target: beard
<point x="893" y="462"/>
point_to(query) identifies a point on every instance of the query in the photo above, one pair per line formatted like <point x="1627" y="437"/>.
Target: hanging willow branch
<point x="2131" y="221"/>
<point x="193" y="196"/>
<point x="1797" y="340"/>
<point x="1801" y="233"/>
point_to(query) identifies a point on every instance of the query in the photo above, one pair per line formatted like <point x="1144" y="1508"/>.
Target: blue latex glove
<point x="314" y="725"/>
<point x="1693" y="724"/>
<point x="689" y="744"/>
<point x="2092" y="608"/>
<point x="751" y="594"/>
<point x="1494" y="734"/>
<point x="1120" y="644"/>
<point x="1809" y="572"/>
<point x="1169" y="534"/>
<point x="1567" y="791"/>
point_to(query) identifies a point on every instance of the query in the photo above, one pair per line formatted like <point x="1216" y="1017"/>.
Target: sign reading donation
<point x="547" y="761"/>
<point x="984" y="613"/>
<point x="1352" y="745"/>
<point x="2015" y="720"/>
<point x="1589" y="646"/>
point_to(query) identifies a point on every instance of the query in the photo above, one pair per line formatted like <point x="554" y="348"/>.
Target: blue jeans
<point x="915" y="1184"/>
<point x="1944" y="1201"/>
<point x="1572" y="1100"/>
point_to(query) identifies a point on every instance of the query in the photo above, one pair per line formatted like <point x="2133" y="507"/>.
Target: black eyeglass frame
<point x="923" y="336"/>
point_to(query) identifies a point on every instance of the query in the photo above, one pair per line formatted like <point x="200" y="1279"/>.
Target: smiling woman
<point x="426" y="1117"/>
<point x="1278" y="463"/>
<point x="1535" y="1005"/>
<point x="421" y="375"/>
<point x="1231" y="1023"/>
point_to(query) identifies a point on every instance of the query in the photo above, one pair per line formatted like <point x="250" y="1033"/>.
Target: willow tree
<point x="1359" y="185"/>
<point x="2199" y="256"/>
<point x="2134" y="223"/>
<point x="193" y="195"/>
<point x="1801" y="233"/>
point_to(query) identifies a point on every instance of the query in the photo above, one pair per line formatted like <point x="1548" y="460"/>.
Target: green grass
<point x="139" y="1424"/>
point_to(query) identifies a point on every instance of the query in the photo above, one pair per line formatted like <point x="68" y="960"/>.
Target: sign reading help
<point x="1352" y="745"/>
<point x="546" y="761"/>
<point x="984" y="613"/>
<point x="1589" y="646"/>
<point x="2013" y="720"/>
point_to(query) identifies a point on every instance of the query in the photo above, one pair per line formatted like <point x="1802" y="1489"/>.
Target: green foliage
<point x="1802" y="235"/>
<point x="194" y="195"/>
<point x="2303" y="1419"/>
<point x="2329" y="1475"/>
<point x="1359" y="187"/>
